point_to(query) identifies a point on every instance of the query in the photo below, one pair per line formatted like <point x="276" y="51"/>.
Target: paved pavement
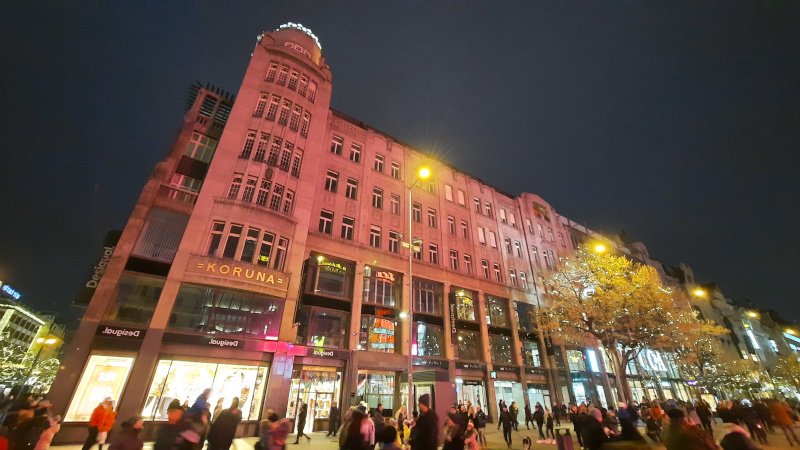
<point x="319" y="441"/>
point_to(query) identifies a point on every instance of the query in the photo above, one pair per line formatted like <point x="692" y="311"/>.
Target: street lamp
<point x="42" y="342"/>
<point x="600" y="248"/>
<point x="422" y="174"/>
<point x="699" y="292"/>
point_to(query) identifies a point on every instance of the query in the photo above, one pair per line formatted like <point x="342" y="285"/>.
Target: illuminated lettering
<point x="237" y="271"/>
<point x="271" y="279"/>
<point x="389" y="276"/>
<point x="211" y="268"/>
<point x="249" y="273"/>
<point x="261" y="276"/>
<point x="226" y="269"/>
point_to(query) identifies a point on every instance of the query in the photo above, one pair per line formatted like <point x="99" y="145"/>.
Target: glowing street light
<point x="403" y="314"/>
<point x="752" y="314"/>
<point x="600" y="248"/>
<point x="791" y="331"/>
<point x="424" y="172"/>
<point x="699" y="292"/>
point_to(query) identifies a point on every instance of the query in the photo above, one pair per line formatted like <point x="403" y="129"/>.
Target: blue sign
<point x="11" y="291"/>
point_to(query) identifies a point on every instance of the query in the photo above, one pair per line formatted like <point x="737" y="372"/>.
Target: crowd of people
<point x="26" y="423"/>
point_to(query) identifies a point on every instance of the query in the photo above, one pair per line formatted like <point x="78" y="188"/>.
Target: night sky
<point x="678" y="122"/>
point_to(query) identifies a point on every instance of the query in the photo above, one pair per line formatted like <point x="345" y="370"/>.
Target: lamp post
<point x="422" y="174"/>
<point x="42" y="342"/>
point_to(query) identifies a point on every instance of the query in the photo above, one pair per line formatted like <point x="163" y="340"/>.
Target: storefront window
<point x="186" y="380"/>
<point x="137" y="297"/>
<point x="103" y="377"/>
<point x="539" y="394"/>
<point x="497" y="311"/>
<point x="220" y="311"/>
<point x="428" y="340"/>
<point x="530" y="353"/>
<point x="378" y="334"/>
<point x="473" y="392"/>
<point x="526" y="316"/>
<point x="559" y="357"/>
<point x="319" y="388"/>
<point x="322" y="327"/>
<point x="332" y="277"/>
<point x="469" y="346"/>
<point x="376" y="387"/>
<point x="428" y="297"/>
<point x="465" y="305"/>
<point x="379" y="286"/>
<point x="575" y="361"/>
<point x="501" y="349"/>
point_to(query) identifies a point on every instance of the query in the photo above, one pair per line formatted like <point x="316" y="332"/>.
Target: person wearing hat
<point x="425" y="434"/>
<point x="128" y="438"/>
<point x="680" y="435"/>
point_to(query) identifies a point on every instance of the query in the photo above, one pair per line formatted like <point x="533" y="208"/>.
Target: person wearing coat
<point x="223" y="430"/>
<point x="333" y="420"/>
<point x="128" y="438"/>
<point x="507" y="422"/>
<point x="781" y="416"/>
<point x="302" y="414"/>
<point x="106" y="425"/>
<point x="95" y="420"/>
<point x="425" y="434"/>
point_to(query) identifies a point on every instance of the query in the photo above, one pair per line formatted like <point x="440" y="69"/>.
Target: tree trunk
<point x="623" y="388"/>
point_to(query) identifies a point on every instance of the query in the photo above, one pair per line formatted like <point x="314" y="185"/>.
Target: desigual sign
<point x="224" y="342"/>
<point x="323" y="353"/>
<point x="233" y="271"/>
<point x="132" y="333"/>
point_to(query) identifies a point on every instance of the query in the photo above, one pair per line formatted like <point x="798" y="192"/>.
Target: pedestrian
<point x="274" y="432"/>
<point x="629" y="433"/>
<point x="453" y="434"/>
<point x="471" y="437"/>
<point x="538" y="416"/>
<point x="176" y="434"/>
<point x="529" y="417"/>
<point x="377" y="417"/>
<point x="223" y="430"/>
<point x="425" y="434"/>
<point x="401" y="417"/>
<point x="333" y="420"/>
<point x="736" y="439"/>
<point x="781" y="415"/>
<point x="679" y="435"/>
<point x="389" y="438"/>
<point x="200" y="403"/>
<point x="95" y="420"/>
<point x="704" y="414"/>
<point x="302" y="414"/>
<point x="507" y="423"/>
<point x="653" y="426"/>
<point x="514" y="410"/>
<point x="106" y="424"/>
<point x="128" y="438"/>
<point x="354" y="439"/>
<point x="480" y="425"/>
<point x="592" y="432"/>
<point x="549" y="421"/>
<point x="217" y="409"/>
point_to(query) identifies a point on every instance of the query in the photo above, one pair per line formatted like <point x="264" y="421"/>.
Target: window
<point x="535" y="252"/>
<point x="541" y="230"/>
<point x="395" y="170"/>
<point x="464" y="230"/>
<point x="528" y="224"/>
<point x="497" y="312"/>
<point x="428" y="340"/>
<point x="305" y="124"/>
<point x="261" y="105"/>
<point x="286" y="157"/>
<point x="416" y="212"/>
<point x="312" y="91"/>
<point x="453" y="259"/>
<point x="451" y="224"/>
<point x="201" y="147"/>
<point x="467" y="263"/>
<point x="375" y="236"/>
<point x="395" y="204"/>
<point x="348" y="223"/>
<point x="465" y="305"/>
<point x="280" y="253"/>
<point x="303" y="87"/>
<point x="552" y="258"/>
<point x="378" y="335"/>
<point x="283" y="117"/>
<point x="136" y="298"/>
<point x="518" y="247"/>
<point x="355" y="153"/>
<point x="232" y="243"/>
<point x="377" y="198"/>
<point x="322" y="327"/>
<point x="481" y="235"/>
<point x="497" y="273"/>
<point x="331" y="277"/>
<point x="469" y="346"/>
<point x="325" y="222"/>
<point x="433" y="253"/>
<point x="274" y="151"/>
<point x="550" y="234"/>
<point x="432" y="218"/>
<point x="293" y="77"/>
<point x="477" y="205"/>
<point x="448" y="192"/>
<point x="277" y="196"/>
<point x="106" y="374"/>
<point x="216" y="236"/>
<point x="513" y="277"/>
<point x="461" y="200"/>
<point x="351" y="191"/>
<point x="492" y="239"/>
<point x="394" y="239"/>
<point x="379" y="160"/>
<point x="417" y="254"/>
<point x="294" y="121"/>
<point x="273" y="69"/>
<point x="336" y="145"/>
<point x="508" y="245"/>
<point x="561" y="238"/>
<point x="501" y="349"/>
<point x="263" y="192"/>
<point x="523" y="280"/>
<point x="265" y="250"/>
<point x="575" y="361"/>
<point x="282" y="75"/>
<point x="247" y="148"/>
<point x="296" y="162"/>
<point x="512" y="220"/>
<point x="274" y="104"/>
<point x="379" y="287"/>
<point x="261" y="150"/>
<point x="488" y="209"/>
<point x="502" y="215"/>
<point x="249" y="189"/>
<point x="530" y="353"/>
<point x="427" y="296"/>
<point x="429" y="185"/>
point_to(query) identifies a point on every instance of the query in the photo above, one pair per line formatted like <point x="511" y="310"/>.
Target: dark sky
<point x="678" y="122"/>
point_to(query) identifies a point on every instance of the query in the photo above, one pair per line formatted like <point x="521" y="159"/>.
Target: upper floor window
<point x="497" y="276"/>
<point x="303" y="87"/>
<point x="379" y="161"/>
<point x="394" y="239"/>
<point x="513" y="277"/>
<point x="375" y="236"/>
<point x="523" y="280"/>
<point x="485" y="268"/>
<point x="293" y="79"/>
<point x="351" y="191"/>
<point x="294" y="122"/>
<point x="377" y="198"/>
<point x="453" y="259"/>
<point x="477" y="205"/>
<point x="261" y="105"/>
<point x="508" y="245"/>
<point x="467" y="263"/>
<point x="395" y="170"/>
<point x="355" y="153"/>
<point x="448" y="192"/>
<point x="433" y="253"/>
<point x="395" y="204"/>
<point x="312" y="91"/>
<point x="518" y="247"/>
<point x="502" y="215"/>
<point x="561" y="238"/>
<point x="282" y="75"/>
<point x="326" y="221"/>
<point x="432" y="218"/>
<point x="488" y="209"/>
<point x="535" y="252"/>
<point x="550" y="234"/>
<point x="332" y="181"/>
<point x="451" y="224"/>
<point x="348" y="224"/>
<point x="481" y="235"/>
<point x="249" y="142"/>
<point x="427" y="296"/>
<point x="429" y="185"/>
<point x="541" y="230"/>
<point x="305" y="124"/>
<point x="512" y="220"/>
<point x="283" y="117"/>
<point x="416" y="212"/>
<point x="461" y="200"/>
<point x="497" y="311"/>
<point x="271" y="72"/>
<point x="492" y="239"/>
<point x="464" y="230"/>
<point x="529" y="225"/>
<point x="274" y="104"/>
<point x="336" y="145"/>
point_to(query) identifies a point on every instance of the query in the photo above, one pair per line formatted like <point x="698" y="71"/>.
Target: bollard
<point x="564" y="441"/>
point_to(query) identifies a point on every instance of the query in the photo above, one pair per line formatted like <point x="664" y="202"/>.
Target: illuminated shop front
<point x="376" y="387"/>
<point x="472" y="391"/>
<point x="323" y="315"/>
<point x="539" y="393"/>
<point x="319" y="388"/>
<point x="185" y="380"/>
<point x="103" y="377"/>
<point x="379" y="313"/>
<point x="510" y="391"/>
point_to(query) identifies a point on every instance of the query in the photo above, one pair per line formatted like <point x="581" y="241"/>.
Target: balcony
<point x="175" y="198"/>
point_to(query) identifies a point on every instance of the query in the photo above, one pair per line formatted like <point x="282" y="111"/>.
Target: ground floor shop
<point x="317" y="387"/>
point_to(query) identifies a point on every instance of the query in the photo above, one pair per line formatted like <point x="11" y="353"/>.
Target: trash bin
<point x="564" y="441"/>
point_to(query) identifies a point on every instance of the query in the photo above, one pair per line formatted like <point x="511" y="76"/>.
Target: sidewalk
<point x="494" y="438"/>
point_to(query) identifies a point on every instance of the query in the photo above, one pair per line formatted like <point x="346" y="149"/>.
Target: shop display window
<point x="319" y="388"/>
<point x="378" y="334"/>
<point x="218" y="311"/>
<point x="501" y="349"/>
<point x="576" y="361"/>
<point x="472" y="392"/>
<point x="530" y="353"/>
<point x="428" y="340"/>
<point x="104" y="377"/>
<point x="469" y="346"/>
<point x="331" y="277"/>
<point x="526" y="316"/>
<point x="559" y="356"/>
<point x="497" y="311"/>
<point x="465" y="305"/>
<point x="379" y="286"/>
<point x="322" y="327"/>
<point x="136" y="298"/>
<point x="376" y="387"/>
<point x="186" y="380"/>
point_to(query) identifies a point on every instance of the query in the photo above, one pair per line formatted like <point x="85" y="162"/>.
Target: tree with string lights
<point x="621" y="304"/>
